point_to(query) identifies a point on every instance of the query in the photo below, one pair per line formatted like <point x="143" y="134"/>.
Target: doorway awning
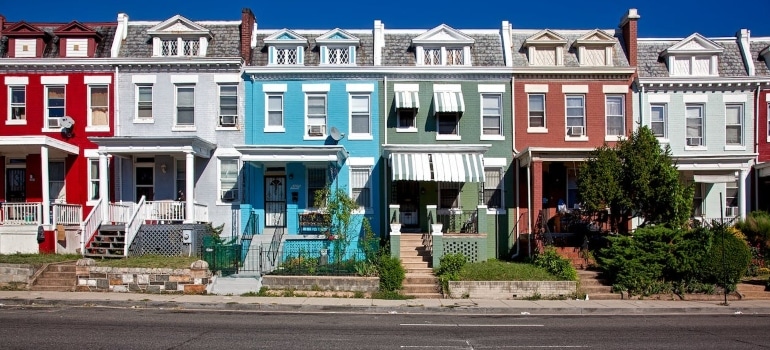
<point x="714" y="178"/>
<point x="438" y="166"/>
<point x="32" y="144"/>
<point x="154" y="145"/>
<point x="254" y="153"/>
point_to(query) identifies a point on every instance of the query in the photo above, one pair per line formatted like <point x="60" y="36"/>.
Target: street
<point x="114" y="328"/>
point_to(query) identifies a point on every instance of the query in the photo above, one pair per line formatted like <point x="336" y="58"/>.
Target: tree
<point x="338" y="208"/>
<point x="635" y="178"/>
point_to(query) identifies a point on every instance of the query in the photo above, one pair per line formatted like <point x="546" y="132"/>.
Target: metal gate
<point x="275" y="201"/>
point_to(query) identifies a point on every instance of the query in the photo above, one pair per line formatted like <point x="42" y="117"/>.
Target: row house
<point x="571" y="95"/>
<point x="700" y="98"/>
<point x="447" y="133"/>
<point x="759" y="51"/>
<point x="57" y="94"/>
<point x="312" y="121"/>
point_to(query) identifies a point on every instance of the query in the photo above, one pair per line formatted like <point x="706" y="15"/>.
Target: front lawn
<point x="36" y="259"/>
<point x="496" y="270"/>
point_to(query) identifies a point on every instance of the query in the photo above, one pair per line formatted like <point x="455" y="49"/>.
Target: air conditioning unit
<point x="53" y="123"/>
<point x="695" y="141"/>
<point x="316" y="130"/>
<point x="731" y="212"/>
<point x="576" y="130"/>
<point x="228" y="120"/>
<point x="228" y="195"/>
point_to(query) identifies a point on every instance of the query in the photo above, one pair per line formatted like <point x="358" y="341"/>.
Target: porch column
<point x="189" y="216"/>
<point x="104" y="190"/>
<point x="742" y="192"/>
<point x="45" y="185"/>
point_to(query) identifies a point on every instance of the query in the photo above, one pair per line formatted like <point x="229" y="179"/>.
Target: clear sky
<point x="674" y="18"/>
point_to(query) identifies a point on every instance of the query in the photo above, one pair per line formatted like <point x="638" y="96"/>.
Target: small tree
<point x="338" y="208"/>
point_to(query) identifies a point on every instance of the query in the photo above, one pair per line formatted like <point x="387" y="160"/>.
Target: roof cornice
<point x="574" y="70"/>
<point x="704" y="81"/>
<point x="267" y="70"/>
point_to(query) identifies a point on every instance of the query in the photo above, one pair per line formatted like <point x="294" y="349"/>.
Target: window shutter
<point x="352" y="55"/>
<point x="300" y="55"/>
<point x="324" y="55"/>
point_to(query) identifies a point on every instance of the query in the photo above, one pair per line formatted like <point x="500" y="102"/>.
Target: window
<point x="185" y="105"/>
<point x="144" y="102"/>
<point x="99" y="105"/>
<point x="274" y="110"/>
<point x="360" y="115"/>
<point x="449" y="195"/>
<point x="338" y="55"/>
<point x="697" y="200"/>
<point x="731" y="199"/>
<point x="493" y="187"/>
<point x="359" y="182"/>
<point x="734" y="124"/>
<point x="18" y="105"/>
<point x="93" y="178"/>
<point x="691" y="65"/>
<point x="406" y="118"/>
<point x="316" y="115"/>
<point x="616" y="119"/>
<point x="432" y="57"/>
<point x="180" y="47"/>
<point x="56" y="181"/>
<point x="694" y="135"/>
<point x="181" y="177"/>
<point x="228" y="180"/>
<point x="492" y="114"/>
<point x="190" y="47"/>
<point x="576" y="115"/>
<point x="448" y="123"/>
<point x="443" y="56"/>
<point x="454" y="57"/>
<point x="286" y="56"/>
<point x="54" y="105"/>
<point x="572" y="189"/>
<point x="536" y="111"/>
<point x="316" y="182"/>
<point x="658" y="118"/>
<point x="228" y="106"/>
<point x="169" y="47"/>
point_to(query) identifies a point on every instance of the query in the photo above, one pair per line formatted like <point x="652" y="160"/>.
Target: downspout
<point x="117" y="104"/>
<point x="529" y="203"/>
<point x="755" y="188"/>
<point x="641" y="105"/>
<point x="384" y="105"/>
<point x="518" y="210"/>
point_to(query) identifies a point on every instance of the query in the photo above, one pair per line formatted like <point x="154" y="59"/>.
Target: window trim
<point x="399" y="127"/>
<point x="219" y="107"/>
<point x="568" y="137"/>
<point x="90" y="107"/>
<point x="702" y="108"/>
<point x="500" y="187"/>
<point x="237" y="186"/>
<point x="93" y="198"/>
<point x="273" y="54"/>
<point x="422" y="50"/>
<point x="310" y="205"/>
<point x="63" y="180"/>
<point x="360" y="136"/>
<point x="369" y="208"/>
<point x="177" y="126"/>
<point x="536" y="129"/>
<point x="306" y="133"/>
<point x="46" y="111"/>
<point x="457" y="135"/>
<point x="500" y="127"/>
<point x="137" y="102"/>
<point x="608" y="136"/>
<point x="9" y="119"/>
<point x="664" y="106"/>
<point x="741" y="124"/>
<point x="326" y="48"/>
<point x="272" y="128"/>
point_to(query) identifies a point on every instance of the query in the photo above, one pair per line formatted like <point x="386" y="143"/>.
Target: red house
<point x="58" y="91"/>
<point x="759" y="51"/>
<point x="572" y="93"/>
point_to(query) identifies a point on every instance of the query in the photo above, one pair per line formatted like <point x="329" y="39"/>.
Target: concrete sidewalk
<point x="352" y="305"/>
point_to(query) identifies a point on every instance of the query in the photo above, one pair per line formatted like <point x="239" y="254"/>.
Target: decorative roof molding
<point x="22" y="29"/>
<point x="285" y="37"/>
<point x="177" y="25"/>
<point x="441" y="35"/>
<point x="74" y="29"/>
<point x="337" y="36"/>
<point x="693" y="44"/>
<point x="545" y="37"/>
<point x="595" y="37"/>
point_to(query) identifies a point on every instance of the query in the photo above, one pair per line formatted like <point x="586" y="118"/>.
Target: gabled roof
<point x="337" y="36"/>
<point x="285" y="36"/>
<point x="75" y="28"/>
<point x="545" y="37"/>
<point x="595" y="37"/>
<point x="23" y="28"/>
<point x="694" y="44"/>
<point x="443" y="34"/>
<point x="178" y="25"/>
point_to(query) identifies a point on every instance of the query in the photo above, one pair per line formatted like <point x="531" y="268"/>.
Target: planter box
<point x="511" y="289"/>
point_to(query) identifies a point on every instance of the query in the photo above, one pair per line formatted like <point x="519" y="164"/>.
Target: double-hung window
<point x="616" y="116"/>
<point x="185" y="105"/>
<point x="18" y="103"/>
<point x="360" y="115"/>
<point x="734" y="124"/>
<point x="694" y="117"/>
<point x="316" y="115"/>
<point x="228" y="180"/>
<point x="316" y="182"/>
<point x="658" y="118"/>
<point x="144" y="102"/>
<point x="361" y="187"/>
<point x="492" y="114"/>
<point x="56" y="181"/>
<point x="228" y="106"/>
<point x="731" y="199"/>
<point x="576" y="115"/>
<point x="274" y="106"/>
<point x="448" y="123"/>
<point x="93" y="179"/>
<point x="98" y="105"/>
<point x="54" y="105"/>
<point x="493" y="188"/>
<point x="536" y="111"/>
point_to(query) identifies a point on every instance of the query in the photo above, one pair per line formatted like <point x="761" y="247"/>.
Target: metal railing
<point x="67" y="214"/>
<point x="252" y="226"/>
<point x="22" y="213"/>
<point x="120" y="212"/>
<point x="458" y="220"/>
<point x="133" y="225"/>
<point x="90" y="225"/>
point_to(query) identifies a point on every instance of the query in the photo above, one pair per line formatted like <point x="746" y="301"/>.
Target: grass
<point x="495" y="270"/>
<point x="147" y="261"/>
<point x="36" y="259"/>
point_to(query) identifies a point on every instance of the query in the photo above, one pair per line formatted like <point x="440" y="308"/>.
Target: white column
<point x="743" y="197"/>
<point x="45" y="185"/>
<point x="104" y="190"/>
<point x="189" y="190"/>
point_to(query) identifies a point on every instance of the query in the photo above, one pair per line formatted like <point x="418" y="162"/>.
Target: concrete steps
<point x="56" y="277"/>
<point x="590" y="282"/>
<point x="753" y="291"/>
<point x="420" y="282"/>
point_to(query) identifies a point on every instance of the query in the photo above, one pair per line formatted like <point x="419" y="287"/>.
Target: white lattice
<point x="432" y="57"/>
<point x="594" y="56"/>
<point x="191" y="47"/>
<point x="454" y="57"/>
<point x="545" y="57"/>
<point x="169" y="48"/>
<point x="286" y="56"/>
<point x="339" y="56"/>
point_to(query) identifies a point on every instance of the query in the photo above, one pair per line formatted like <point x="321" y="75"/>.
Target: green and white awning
<point x="407" y="99"/>
<point x="447" y="167"/>
<point x="448" y="101"/>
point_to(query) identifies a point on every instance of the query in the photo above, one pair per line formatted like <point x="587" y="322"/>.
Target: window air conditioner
<point x="575" y="130"/>
<point x="228" y="120"/>
<point x="694" y="141"/>
<point x="228" y="195"/>
<point x="315" y="130"/>
<point x="53" y="123"/>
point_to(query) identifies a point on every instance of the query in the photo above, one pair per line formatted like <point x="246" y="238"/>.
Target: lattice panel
<point x="294" y="248"/>
<point x="468" y="248"/>
<point x="166" y="240"/>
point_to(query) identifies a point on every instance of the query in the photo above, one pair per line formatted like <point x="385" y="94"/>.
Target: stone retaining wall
<point x="147" y="280"/>
<point x="15" y="273"/>
<point x="512" y="289"/>
<point x="331" y="283"/>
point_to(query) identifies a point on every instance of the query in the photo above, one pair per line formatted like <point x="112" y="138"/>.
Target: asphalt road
<point x="109" y="328"/>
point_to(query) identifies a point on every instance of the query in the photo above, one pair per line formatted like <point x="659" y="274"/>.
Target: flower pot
<point x="395" y="228"/>
<point x="436" y="228"/>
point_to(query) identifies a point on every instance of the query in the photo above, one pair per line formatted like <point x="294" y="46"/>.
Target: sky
<point x="659" y="19"/>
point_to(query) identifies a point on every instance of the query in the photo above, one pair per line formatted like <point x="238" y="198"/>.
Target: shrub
<point x="756" y="228"/>
<point x="451" y="264"/>
<point x="392" y="274"/>
<point x="560" y="267"/>
<point x="727" y="260"/>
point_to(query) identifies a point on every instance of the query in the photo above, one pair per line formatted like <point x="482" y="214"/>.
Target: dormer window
<point x="595" y="48"/>
<point x="693" y="56"/>
<point x="24" y="40"/>
<point x="545" y="48"/>
<point x="286" y="48"/>
<point x="443" y="46"/>
<point x="179" y="37"/>
<point x="77" y="40"/>
<point x="337" y="47"/>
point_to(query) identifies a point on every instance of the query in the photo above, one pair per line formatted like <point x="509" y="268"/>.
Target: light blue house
<point x="312" y="120"/>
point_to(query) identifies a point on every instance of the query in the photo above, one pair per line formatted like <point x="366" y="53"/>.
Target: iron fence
<point x="459" y="221"/>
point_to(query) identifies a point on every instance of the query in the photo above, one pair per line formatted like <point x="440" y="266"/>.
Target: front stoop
<point x="420" y="282"/>
<point x="591" y="283"/>
<point x="751" y="291"/>
<point x="55" y="278"/>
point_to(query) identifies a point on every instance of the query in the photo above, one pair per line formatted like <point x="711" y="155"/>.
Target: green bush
<point x="727" y="260"/>
<point x="392" y="274"/>
<point x="756" y="228"/>
<point x="451" y="264"/>
<point x="560" y="267"/>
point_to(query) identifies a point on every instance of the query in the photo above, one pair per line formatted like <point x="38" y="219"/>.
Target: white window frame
<point x="222" y="182"/>
<point x="531" y="128"/>
<point x="328" y="49"/>
<point x="567" y="117"/>
<point x="368" y="114"/>
<point x="221" y="115"/>
<point x="316" y="118"/>
<point x="691" y="69"/>
<point x="499" y="115"/>
<point x="607" y="116"/>
<point x="740" y="125"/>
<point x="47" y="125"/>
<point x="424" y="58"/>
<point x="401" y="128"/>
<point x="177" y="126"/>
<point x="702" y="108"/>
<point x="93" y="181"/>
<point x="354" y="186"/>
<point x="732" y="187"/>
<point x="138" y="102"/>
<point x="298" y="51"/>
<point x="61" y="195"/>
<point x="11" y="105"/>
<point x="268" y="126"/>
<point x="499" y="172"/>
<point x="664" y="122"/>
<point x="767" y="116"/>
<point x="197" y="42"/>
<point x="91" y="126"/>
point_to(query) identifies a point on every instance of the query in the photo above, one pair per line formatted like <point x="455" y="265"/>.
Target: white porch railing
<point x="22" y="213"/>
<point x="201" y="213"/>
<point x="90" y="225"/>
<point x="133" y="225"/>
<point x="67" y="214"/>
<point x="165" y="211"/>
<point x="120" y="212"/>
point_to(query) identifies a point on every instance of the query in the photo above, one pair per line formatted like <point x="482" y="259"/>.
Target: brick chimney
<point x="2" y="23"/>
<point x="629" y="27"/>
<point x="247" y="28"/>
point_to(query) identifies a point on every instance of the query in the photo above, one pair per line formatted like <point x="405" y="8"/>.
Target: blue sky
<point x="677" y="18"/>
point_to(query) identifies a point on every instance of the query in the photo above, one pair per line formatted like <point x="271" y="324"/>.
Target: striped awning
<point x="407" y="99"/>
<point x="448" y="167"/>
<point x="448" y="102"/>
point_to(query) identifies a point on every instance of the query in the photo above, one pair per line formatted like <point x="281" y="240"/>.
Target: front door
<point x="15" y="185"/>
<point x="275" y="201"/>
<point x="408" y="193"/>
<point x="145" y="184"/>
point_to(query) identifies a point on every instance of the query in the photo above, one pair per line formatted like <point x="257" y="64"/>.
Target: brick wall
<point x="148" y="280"/>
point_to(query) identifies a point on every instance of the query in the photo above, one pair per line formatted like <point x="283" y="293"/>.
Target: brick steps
<point x="750" y="291"/>
<point x="56" y="277"/>
<point x="590" y="281"/>
<point x="420" y="281"/>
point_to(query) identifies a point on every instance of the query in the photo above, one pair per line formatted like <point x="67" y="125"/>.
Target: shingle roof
<point x="364" y="52"/>
<point x="760" y="64"/>
<point x="487" y="50"/>
<point x="652" y="65"/>
<point x="225" y="40"/>
<point x="51" y="41"/>
<point x="570" y="56"/>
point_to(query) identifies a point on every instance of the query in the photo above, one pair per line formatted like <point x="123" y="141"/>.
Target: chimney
<point x="248" y="21"/>
<point x="2" y="23"/>
<point x="629" y="27"/>
<point x="744" y="43"/>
